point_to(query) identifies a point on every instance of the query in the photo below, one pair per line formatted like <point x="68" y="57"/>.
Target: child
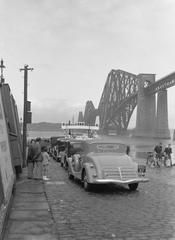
<point x="45" y="162"/>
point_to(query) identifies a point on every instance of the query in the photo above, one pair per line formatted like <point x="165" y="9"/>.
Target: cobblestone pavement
<point x="112" y="212"/>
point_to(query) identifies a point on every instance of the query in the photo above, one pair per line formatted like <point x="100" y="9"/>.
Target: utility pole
<point x="2" y="68"/>
<point x="25" y="69"/>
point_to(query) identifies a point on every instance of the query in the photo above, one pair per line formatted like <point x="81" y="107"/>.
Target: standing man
<point x="158" y="154"/>
<point x="30" y="159"/>
<point x="38" y="158"/>
<point x="168" y="152"/>
<point x="158" y="151"/>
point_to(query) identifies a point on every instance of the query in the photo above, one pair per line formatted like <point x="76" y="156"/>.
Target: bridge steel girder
<point x="121" y="115"/>
<point x="162" y="84"/>
<point x="118" y="101"/>
<point x="90" y="113"/>
<point x="148" y="123"/>
<point x="121" y="93"/>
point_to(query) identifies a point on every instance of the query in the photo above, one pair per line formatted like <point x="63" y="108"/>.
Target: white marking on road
<point x="55" y="183"/>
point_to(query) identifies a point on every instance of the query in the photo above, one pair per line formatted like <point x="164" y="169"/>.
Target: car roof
<point x="98" y="141"/>
<point x="94" y="141"/>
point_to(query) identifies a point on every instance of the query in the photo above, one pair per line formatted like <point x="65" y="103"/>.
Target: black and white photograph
<point x="87" y="96"/>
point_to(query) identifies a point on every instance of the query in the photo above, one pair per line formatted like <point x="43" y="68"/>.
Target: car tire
<point x="133" y="186"/>
<point x="149" y="162"/>
<point x="167" y="162"/>
<point x="87" y="186"/>
<point x="70" y="176"/>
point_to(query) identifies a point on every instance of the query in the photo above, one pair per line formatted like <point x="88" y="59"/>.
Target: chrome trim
<point x="136" y="180"/>
<point x="120" y="172"/>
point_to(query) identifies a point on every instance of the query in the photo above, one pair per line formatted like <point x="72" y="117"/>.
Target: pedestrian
<point x="38" y="158"/>
<point x="62" y="155"/>
<point x="158" y="151"/>
<point x="45" y="163"/>
<point x="168" y="152"/>
<point x="158" y="154"/>
<point x="30" y="159"/>
<point x="55" y="153"/>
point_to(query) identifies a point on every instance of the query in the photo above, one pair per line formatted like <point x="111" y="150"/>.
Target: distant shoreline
<point x="44" y="134"/>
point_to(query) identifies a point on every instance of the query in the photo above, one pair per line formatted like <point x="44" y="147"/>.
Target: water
<point x="44" y="134"/>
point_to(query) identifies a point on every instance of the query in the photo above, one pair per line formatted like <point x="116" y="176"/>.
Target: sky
<point x="73" y="45"/>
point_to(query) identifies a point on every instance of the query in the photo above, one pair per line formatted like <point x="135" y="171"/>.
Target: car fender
<point x="87" y="168"/>
<point x="69" y="161"/>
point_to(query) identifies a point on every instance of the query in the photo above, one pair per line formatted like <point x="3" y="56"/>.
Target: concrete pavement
<point x="30" y="216"/>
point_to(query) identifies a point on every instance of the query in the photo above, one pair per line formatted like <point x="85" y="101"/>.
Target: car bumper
<point x="105" y="181"/>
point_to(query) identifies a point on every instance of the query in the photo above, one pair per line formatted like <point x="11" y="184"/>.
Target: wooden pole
<point x="25" y="69"/>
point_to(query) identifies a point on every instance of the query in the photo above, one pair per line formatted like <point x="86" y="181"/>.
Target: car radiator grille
<point x="112" y="174"/>
<point x="121" y="173"/>
<point x="128" y="173"/>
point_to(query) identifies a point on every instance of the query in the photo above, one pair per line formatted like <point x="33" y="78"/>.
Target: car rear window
<point x="77" y="145"/>
<point x="108" y="148"/>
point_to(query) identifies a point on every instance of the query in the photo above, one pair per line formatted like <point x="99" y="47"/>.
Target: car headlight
<point x="91" y="166"/>
<point x="93" y="170"/>
<point x="94" y="175"/>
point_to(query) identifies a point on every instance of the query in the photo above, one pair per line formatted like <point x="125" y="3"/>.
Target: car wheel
<point x="149" y="162"/>
<point x="167" y="162"/>
<point x="70" y="176"/>
<point x="133" y="186"/>
<point x="61" y="164"/>
<point x="86" y="185"/>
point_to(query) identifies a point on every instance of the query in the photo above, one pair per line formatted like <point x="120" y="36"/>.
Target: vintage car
<point x="66" y="151"/>
<point x="97" y="162"/>
<point x="62" y="146"/>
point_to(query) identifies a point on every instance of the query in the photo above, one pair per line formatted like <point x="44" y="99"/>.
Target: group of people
<point x="37" y="160"/>
<point x="159" y="152"/>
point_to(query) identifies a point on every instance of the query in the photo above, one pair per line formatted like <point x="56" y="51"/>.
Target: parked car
<point x="62" y="146"/>
<point x="98" y="162"/>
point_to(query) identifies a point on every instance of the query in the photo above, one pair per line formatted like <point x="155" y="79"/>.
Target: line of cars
<point x="96" y="162"/>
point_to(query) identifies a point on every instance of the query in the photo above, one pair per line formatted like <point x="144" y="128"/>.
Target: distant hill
<point x="44" y="126"/>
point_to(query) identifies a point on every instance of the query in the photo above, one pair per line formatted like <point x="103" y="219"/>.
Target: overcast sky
<point x="73" y="45"/>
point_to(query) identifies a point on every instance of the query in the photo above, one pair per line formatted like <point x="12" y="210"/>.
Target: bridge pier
<point x="145" y="121"/>
<point x="162" y="129"/>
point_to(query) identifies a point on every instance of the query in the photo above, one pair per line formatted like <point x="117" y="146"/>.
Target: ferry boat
<point x="80" y="131"/>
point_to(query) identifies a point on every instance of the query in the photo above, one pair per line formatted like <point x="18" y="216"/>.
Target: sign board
<point x="6" y="169"/>
<point x="28" y="106"/>
<point x="29" y="117"/>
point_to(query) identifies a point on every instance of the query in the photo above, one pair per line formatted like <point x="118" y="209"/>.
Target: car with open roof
<point x="99" y="162"/>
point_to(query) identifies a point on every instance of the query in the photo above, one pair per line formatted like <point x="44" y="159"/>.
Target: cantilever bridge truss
<point x="119" y="99"/>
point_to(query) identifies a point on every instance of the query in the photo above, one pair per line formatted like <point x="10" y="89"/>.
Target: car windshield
<point x="76" y="147"/>
<point x="108" y="148"/>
